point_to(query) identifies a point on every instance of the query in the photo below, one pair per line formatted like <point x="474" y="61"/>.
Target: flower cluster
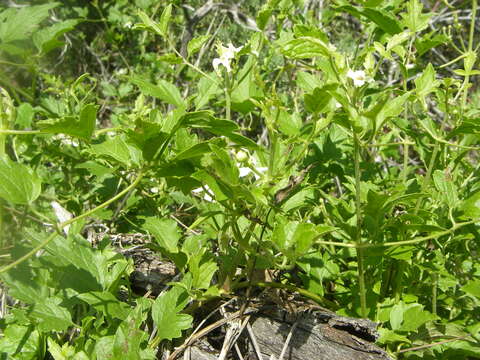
<point x="226" y="55"/>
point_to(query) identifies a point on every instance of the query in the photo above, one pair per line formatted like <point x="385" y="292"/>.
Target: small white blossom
<point x="207" y="196"/>
<point x="359" y="78"/>
<point x="62" y="215"/>
<point x="154" y="190"/>
<point x="226" y="54"/>
<point x="64" y="140"/>
<point x="128" y="25"/>
<point x="244" y="171"/>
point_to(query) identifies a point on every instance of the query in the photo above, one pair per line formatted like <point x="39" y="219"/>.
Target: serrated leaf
<point x="166" y="314"/>
<point x="196" y="43"/>
<point x="22" y="342"/>
<point x="163" y="90"/>
<point x="306" y="47"/>
<point x="471" y="206"/>
<point x="165" y="232"/>
<point x="413" y="18"/>
<point x="81" y="127"/>
<point x="129" y="336"/>
<point x="446" y="187"/>
<point x="50" y="315"/>
<point x="106" y="303"/>
<point x="425" y="84"/>
<point x="18" y="23"/>
<point x="207" y="88"/>
<point x="18" y="183"/>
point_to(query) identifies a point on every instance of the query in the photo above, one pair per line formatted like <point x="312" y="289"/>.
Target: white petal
<point x="62" y="215"/>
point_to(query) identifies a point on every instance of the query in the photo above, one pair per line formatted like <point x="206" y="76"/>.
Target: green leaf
<point x="82" y="128"/>
<point x="409" y="317"/>
<point x="164" y="20"/>
<point x="106" y="303"/>
<point x="471" y="206"/>
<point x="18" y="23"/>
<point x="129" y="336"/>
<point x="25" y="113"/>
<point x="194" y="151"/>
<point x="308" y="82"/>
<point x="18" y="183"/>
<point x="46" y="39"/>
<point x="165" y="232"/>
<point x="118" y="149"/>
<point x="166" y="316"/>
<point x="50" y="315"/>
<point x="446" y="187"/>
<point x="163" y="90"/>
<point x="413" y="19"/>
<point x="472" y="288"/>
<point x="307" y="47"/>
<point x="381" y="18"/>
<point x="196" y="44"/>
<point x="21" y="342"/>
<point x="318" y="100"/>
<point x="207" y="88"/>
<point x="425" y="84"/>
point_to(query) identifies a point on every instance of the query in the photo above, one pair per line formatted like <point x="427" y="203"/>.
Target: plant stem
<point x="358" y="232"/>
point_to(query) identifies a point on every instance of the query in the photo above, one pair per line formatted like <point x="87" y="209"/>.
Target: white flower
<point x="64" y="140"/>
<point x="128" y="25"/>
<point x="62" y="215"/>
<point x="244" y="171"/>
<point x="207" y="196"/>
<point x="359" y="78"/>
<point x="154" y="190"/>
<point x="226" y="54"/>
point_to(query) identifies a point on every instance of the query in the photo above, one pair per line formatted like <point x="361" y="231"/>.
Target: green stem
<point x="71" y="221"/>
<point x="400" y="243"/>
<point x="358" y="232"/>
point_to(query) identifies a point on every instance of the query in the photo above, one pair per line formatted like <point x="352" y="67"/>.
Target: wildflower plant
<point x="338" y="164"/>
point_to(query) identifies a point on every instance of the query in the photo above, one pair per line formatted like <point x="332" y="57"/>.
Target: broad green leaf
<point x="381" y="18"/>
<point x="163" y="90"/>
<point x="118" y="149"/>
<point x="129" y="337"/>
<point x="206" y="90"/>
<point x="317" y="101"/>
<point x="409" y="317"/>
<point x="106" y="303"/>
<point x="46" y="39"/>
<point x="196" y="44"/>
<point x="81" y="127"/>
<point x="18" y="183"/>
<point x="166" y="314"/>
<point x="25" y="113"/>
<point x="265" y="13"/>
<point x="391" y="108"/>
<point x="307" y="47"/>
<point x="413" y="18"/>
<point x="425" y="84"/>
<point x="194" y="151"/>
<point x="149" y="24"/>
<point x="104" y="348"/>
<point x="471" y="206"/>
<point x="165" y="19"/>
<point x="18" y="23"/>
<point x="247" y="88"/>
<point x="446" y="187"/>
<point x="21" y="342"/>
<point x="472" y="288"/>
<point x="165" y="231"/>
<point x="50" y="315"/>
<point x="308" y="82"/>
